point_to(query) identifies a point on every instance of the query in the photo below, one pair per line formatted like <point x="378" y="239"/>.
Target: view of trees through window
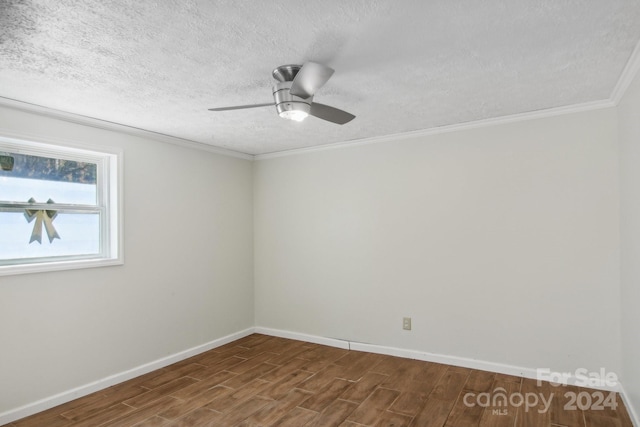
<point x="50" y="169"/>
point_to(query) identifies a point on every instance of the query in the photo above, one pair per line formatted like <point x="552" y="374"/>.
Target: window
<point x="58" y="207"/>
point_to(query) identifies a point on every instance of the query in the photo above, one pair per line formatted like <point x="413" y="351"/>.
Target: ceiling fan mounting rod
<point x="286" y="73"/>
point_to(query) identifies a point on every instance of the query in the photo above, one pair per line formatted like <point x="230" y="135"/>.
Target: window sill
<point x="42" y="267"/>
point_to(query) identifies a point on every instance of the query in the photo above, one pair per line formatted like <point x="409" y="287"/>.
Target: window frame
<point x="108" y="203"/>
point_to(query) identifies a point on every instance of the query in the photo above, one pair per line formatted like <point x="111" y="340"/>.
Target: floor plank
<point x="185" y="406"/>
<point x="360" y="390"/>
<point x="320" y="400"/>
<point x="500" y="413"/>
<point x="334" y="414"/>
<point x="297" y="417"/>
<point x="142" y="414"/>
<point x="276" y="409"/>
<point x="370" y="410"/>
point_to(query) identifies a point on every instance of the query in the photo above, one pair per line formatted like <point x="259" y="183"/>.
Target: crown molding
<point x="630" y="71"/>
<point x="514" y="118"/>
<point x="116" y="127"/>
<point x="628" y="74"/>
<point x="111" y="126"/>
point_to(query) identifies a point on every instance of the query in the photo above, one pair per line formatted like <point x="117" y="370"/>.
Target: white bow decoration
<point x="41" y="216"/>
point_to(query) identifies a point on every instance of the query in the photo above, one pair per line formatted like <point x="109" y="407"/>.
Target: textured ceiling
<point x="400" y="65"/>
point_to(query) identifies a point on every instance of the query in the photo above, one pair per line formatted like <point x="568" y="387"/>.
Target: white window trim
<point x="111" y="171"/>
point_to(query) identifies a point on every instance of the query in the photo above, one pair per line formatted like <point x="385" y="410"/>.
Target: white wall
<point x="629" y="125"/>
<point x="187" y="278"/>
<point x="501" y="243"/>
<point x="508" y="235"/>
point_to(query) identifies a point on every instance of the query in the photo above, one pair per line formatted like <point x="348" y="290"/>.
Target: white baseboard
<point x="331" y="342"/>
<point x="447" y="360"/>
<point x="58" y="399"/>
<point x="630" y="408"/>
<point x="464" y="362"/>
<point x="66" y="396"/>
<point x="401" y="352"/>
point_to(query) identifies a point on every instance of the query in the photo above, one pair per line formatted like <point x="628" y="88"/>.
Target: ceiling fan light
<point x="295" y="115"/>
<point x="292" y="109"/>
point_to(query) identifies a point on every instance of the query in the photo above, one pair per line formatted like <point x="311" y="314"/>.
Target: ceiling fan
<point x="293" y="94"/>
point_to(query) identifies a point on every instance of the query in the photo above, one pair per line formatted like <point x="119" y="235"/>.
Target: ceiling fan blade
<point x="241" y="107"/>
<point x="311" y="77"/>
<point x="330" y="114"/>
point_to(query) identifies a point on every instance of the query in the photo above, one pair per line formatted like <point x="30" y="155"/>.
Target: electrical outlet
<point x="406" y="323"/>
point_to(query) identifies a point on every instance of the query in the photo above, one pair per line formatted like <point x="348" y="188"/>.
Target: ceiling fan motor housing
<point x="290" y="104"/>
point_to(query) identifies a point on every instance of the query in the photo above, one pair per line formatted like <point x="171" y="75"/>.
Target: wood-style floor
<point x="266" y="381"/>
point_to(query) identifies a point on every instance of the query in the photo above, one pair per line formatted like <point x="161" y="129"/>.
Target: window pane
<point x="79" y="235"/>
<point x="21" y="190"/>
<point x="44" y="178"/>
